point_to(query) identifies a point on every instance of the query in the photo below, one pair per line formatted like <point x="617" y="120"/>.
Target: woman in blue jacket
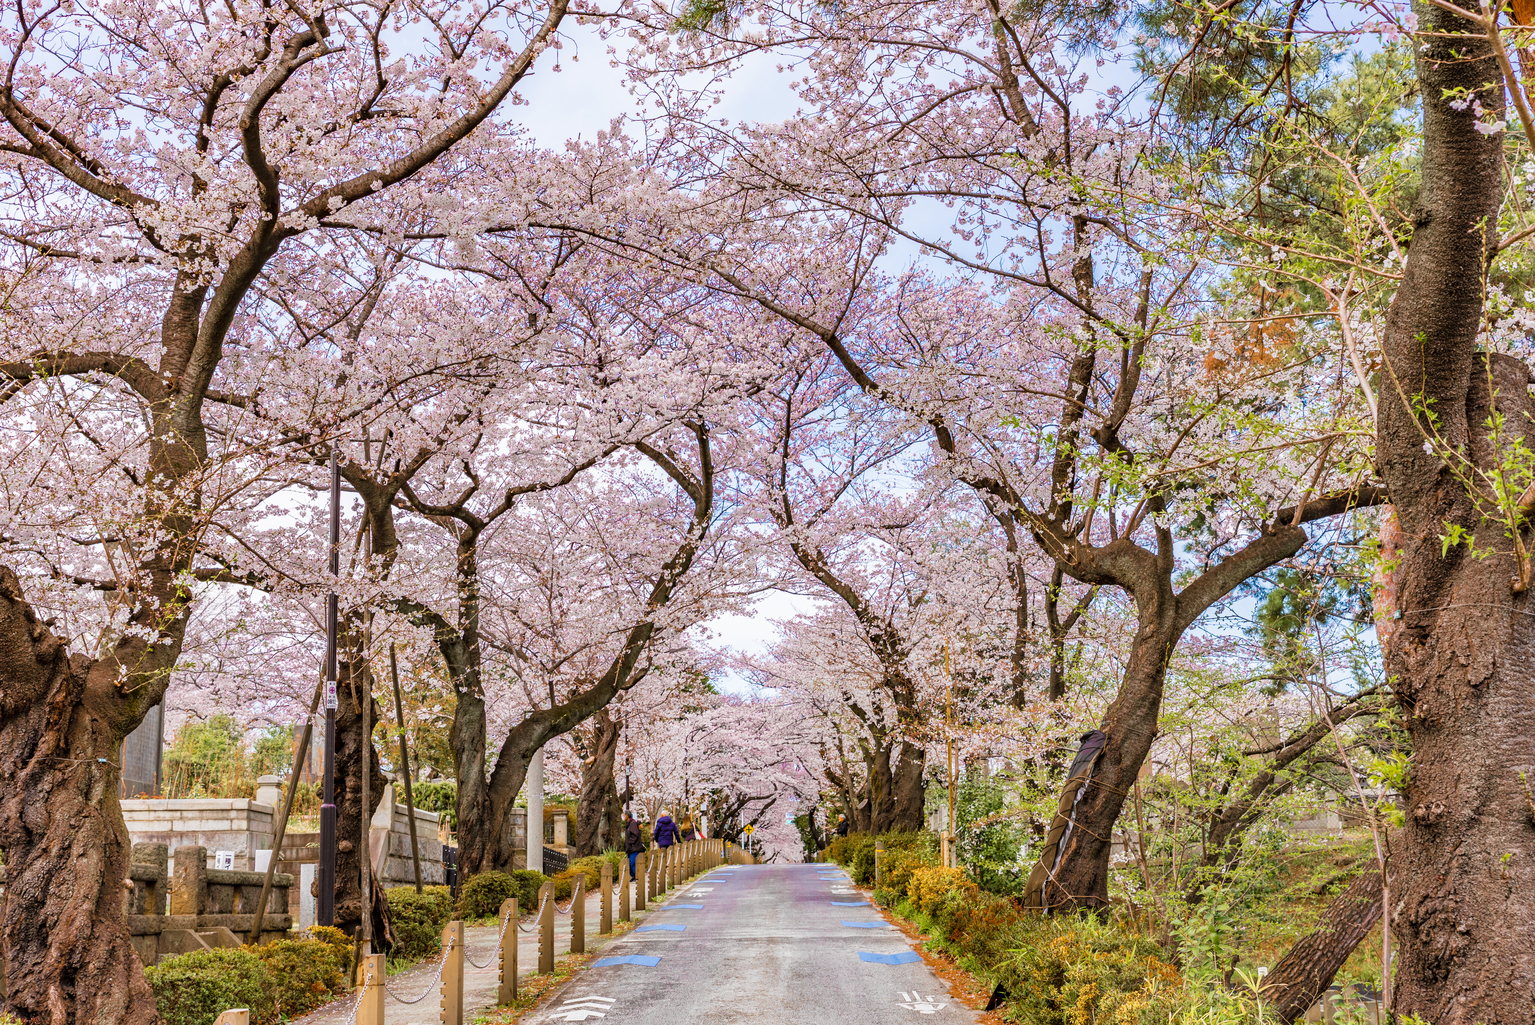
<point x="666" y="830"/>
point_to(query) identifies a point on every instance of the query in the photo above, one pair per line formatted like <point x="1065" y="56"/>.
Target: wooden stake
<point x="546" y="929"/>
<point x="578" y="916"/>
<point x="506" y="989"/>
<point x="452" y="1004"/>
<point x="370" y="1002"/>
<point x="605" y="923"/>
<point x="623" y="890"/>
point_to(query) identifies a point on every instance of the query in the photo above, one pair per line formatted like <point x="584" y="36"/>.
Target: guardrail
<point x="662" y="869"/>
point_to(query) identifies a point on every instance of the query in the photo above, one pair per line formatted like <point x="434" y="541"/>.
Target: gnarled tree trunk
<point x="598" y="812"/>
<point x="1462" y="656"/>
<point x="62" y="722"/>
<point x="353" y="751"/>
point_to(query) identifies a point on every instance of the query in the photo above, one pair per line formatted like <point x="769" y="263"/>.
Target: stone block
<point x="189" y="886"/>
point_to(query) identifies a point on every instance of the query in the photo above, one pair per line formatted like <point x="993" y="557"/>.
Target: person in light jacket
<point x="666" y="830"/>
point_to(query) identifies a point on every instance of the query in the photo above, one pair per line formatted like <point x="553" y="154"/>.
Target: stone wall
<point x="239" y="825"/>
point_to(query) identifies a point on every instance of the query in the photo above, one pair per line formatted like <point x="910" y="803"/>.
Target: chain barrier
<point x="435" y="980"/>
<point x="492" y="959"/>
<point x="539" y="914"/>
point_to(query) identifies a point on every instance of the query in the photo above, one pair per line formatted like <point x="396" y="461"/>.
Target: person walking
<point x="633" y="845"/>
<point x="842" y="825"/>
<point x="666" y="830"/>
<point x="688" y="832"/>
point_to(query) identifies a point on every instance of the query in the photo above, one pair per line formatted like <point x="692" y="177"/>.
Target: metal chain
<point x="433" y="985"/>
<point x="537" y="915"/>
<point x="499" y="940"/>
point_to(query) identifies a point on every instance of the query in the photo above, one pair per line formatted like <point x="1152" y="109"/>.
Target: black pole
<point x="326" y="873"/>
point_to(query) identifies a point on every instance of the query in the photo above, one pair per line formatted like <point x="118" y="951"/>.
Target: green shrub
<point x="419" y="918"/>
<point x="592" y="866"/>
<point x="305" y="974"/>
<point x="195" y="988"/>
<point x="440" y="796"/>
<point x="482" y="895"/>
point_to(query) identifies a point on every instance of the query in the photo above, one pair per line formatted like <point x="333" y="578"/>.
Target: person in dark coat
<point x="842" y="825"/>
<point x="665" y="831"/>
<point x="633" y="845"/>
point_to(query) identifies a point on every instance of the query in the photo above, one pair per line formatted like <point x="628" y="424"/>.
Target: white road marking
<point x="582" y="1008"/>
<point x="921" y="1004"/>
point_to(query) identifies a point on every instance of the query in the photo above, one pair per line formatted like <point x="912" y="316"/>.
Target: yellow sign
<point x="749" y="830"/>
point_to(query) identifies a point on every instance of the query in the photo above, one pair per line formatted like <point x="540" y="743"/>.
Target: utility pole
<point x="325" y="875"/>
<point x="950" y="855"/>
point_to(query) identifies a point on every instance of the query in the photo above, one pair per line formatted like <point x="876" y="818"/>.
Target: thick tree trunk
<point x="1307" y="969"/>
<point x="1463" y="652"/>
<point x="909" y="791"/>
<point x="1082" y="878"/>
<point x="62" y="720"/>
<point x="597" y="813"/>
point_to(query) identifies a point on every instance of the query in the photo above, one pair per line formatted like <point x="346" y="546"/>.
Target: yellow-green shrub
<point x="305" y="974"/>
<point x="929" y="885"/>
<point x="899" y="866"/>
<point x="1081" y="971"/>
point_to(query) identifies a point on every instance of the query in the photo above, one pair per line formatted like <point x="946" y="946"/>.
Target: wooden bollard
<point x="879" y="863"/>
<point x="641" y="877"/>
<point x="370" y="1002"/>
<point x="546" y="928"/>
<point x="506" y="982"/>
<point x="578" y="916"/>
<point x="623" y="890"/>
<point x="605" y="923"/>
<point x="452" y="1005"/>
<point x="238" y="1016"/>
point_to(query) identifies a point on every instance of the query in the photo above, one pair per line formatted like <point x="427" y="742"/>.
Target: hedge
<point x="482" y="895"/>
<point x="418" y="919"/>
<point x="277" y="981"/>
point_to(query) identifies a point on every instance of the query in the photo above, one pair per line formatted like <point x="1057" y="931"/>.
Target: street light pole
<point x="325" y="876"/>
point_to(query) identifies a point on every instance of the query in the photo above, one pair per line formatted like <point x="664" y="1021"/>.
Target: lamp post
<point x="325" y="875"/>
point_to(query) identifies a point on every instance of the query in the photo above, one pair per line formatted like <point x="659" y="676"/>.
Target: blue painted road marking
<point x="639" y="959"/>
<point x="904" y="957"/>
<point x="864" y="925"/>
<point x="849" y="903"/>
<point x="690" y="907"/>
<point x="661" y="928"/>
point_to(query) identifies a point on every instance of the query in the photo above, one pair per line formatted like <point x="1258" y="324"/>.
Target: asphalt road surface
<point x="769" y="946"/>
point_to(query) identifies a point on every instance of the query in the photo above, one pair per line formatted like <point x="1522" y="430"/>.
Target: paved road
<point x="768" y="946"/>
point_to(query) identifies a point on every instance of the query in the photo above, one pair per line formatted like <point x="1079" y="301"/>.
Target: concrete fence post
<point x="236" y="1016"/>
<point x="676" y="865"/>
<point x="452" y="1004"/>
<point x="623" y="889"/>
<point x="605" y="922"/>
<point x="879" y="863"/>
<point x="506" y="982"/>
<point x="546" y="928"/>
<point x="578" y="916"/>
<point x="370" y="1002"/>
<point x="641" y="877"/>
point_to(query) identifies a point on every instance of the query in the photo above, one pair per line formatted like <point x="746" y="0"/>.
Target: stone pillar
<point x="269" y="791"/>
<point x="561" y="827"/>
<point x="535" y="786"/>
<point x="189" y="883"/>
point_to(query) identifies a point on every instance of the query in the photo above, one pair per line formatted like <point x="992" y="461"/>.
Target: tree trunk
<point x="62" y="721"/>
<point x="1463" y="653"/>
<point x="598" y="810"/>
<point x="908" y="809"/>
<point x="1304" y="973"/>
<point x="353" y="751"/>
<point x="1082" y="878"/>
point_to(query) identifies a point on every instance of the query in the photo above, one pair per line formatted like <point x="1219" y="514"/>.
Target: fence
<point x="664" y="868"/>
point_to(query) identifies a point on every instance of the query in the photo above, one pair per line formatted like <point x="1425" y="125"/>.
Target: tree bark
<point x="598" y="811"/>
<point x="1307" y="969"/>
<point x="353" y="751"/>
<point x="1463" y="653"/>
<point x="908" y="791"/>
<point x="62" y="722"/>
